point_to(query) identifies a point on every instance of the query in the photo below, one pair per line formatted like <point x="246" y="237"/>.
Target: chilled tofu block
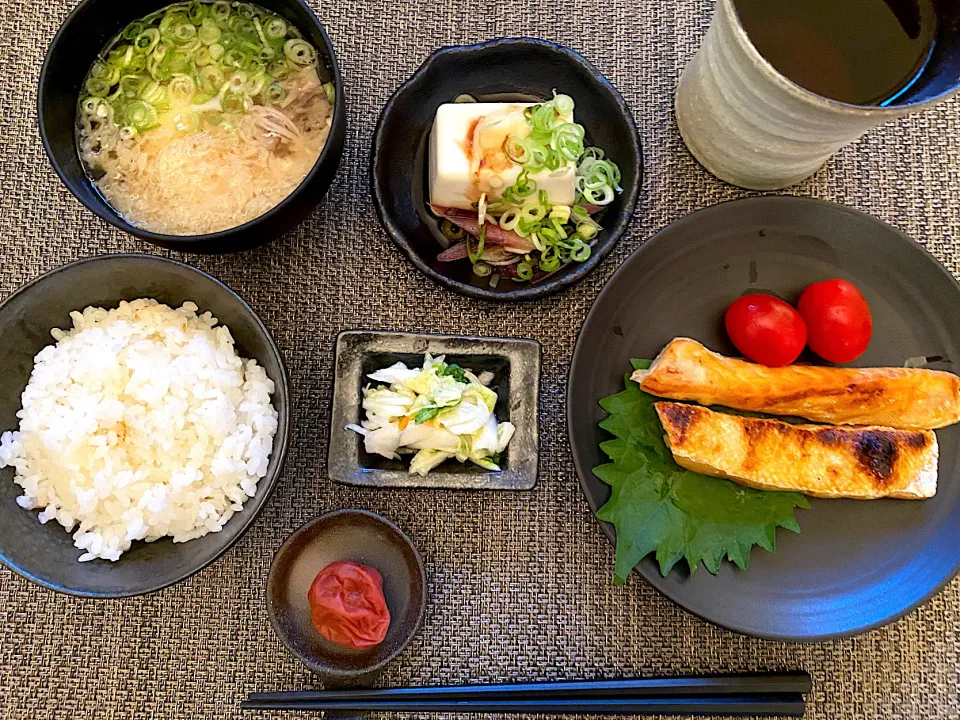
<point x="467" y="157"/>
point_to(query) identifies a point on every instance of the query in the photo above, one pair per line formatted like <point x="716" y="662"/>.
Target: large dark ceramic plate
<point x="45" y="553"/>
<point x="509" y="70"/>
<point x="855" y="565"/>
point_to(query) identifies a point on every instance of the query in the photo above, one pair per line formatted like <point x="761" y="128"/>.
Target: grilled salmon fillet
<point x="864" y="463"/>
<point x="908" y="398"/>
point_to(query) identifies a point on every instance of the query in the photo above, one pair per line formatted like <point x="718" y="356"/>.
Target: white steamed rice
<point x="140" y="423"/>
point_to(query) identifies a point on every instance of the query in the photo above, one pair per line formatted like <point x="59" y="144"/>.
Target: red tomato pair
<point x="832" y="317"/>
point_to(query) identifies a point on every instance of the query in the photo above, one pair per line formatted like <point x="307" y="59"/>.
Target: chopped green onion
<point x="275" y="94"/>
<point x="232" y="103"/>
<point x="481" y="240"/>
<point x="97" y="87"/>
<point x="209" y="33"/>
<point x="549" y="259"/>
<point x="131" y="31"/>
<point x="197" y="11"/>
<point x="128" y="132"/>
<point x="256" y="83"/>
<point x="238" y="82"/>
<point x="211" y="78"/>
<point x="560" y="213"/>
<point x="246" y="10"/>
<point x="481" y="269"/>
<point x="131" y="85"/>
<point x="299" y="52"/>
<point x="464" y="98"/>
<point x="524" y="271"/>
<point x="183" y="33"/>
<point x="275" y="28"/>
<point x="453" y="233"/>
<point x="139" y="114"/>
<point x="587" y="231"/>
<point x="153" y="93"/>
<point x="146" y="41"/>
<point x="187" y="122"/>
<point x="216" y="51"/>
<point x="234" y="59"/>
<point x="220" y="11"/>
<point x="563" y="104"/>
<point x="170" y="21"/>
<point x="581" y="252"/>
<point x="181" y="87"/>
<point x="510" y="219"/>
<point x="330" y="92"/>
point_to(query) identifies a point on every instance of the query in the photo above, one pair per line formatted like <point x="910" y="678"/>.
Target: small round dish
<point x="515" y="69"/>
<point x="358" y="536"/>
<point x="83" y="34"/>
<point x="46" y="554"/>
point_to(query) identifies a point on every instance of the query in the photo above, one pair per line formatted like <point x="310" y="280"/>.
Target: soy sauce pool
<point x="863" y="52"/>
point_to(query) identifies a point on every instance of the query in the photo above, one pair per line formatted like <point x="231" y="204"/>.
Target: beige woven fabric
<point x="520" y="584"/>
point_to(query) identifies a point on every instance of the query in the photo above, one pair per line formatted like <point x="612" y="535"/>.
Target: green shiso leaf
<point x="658" y="507"/>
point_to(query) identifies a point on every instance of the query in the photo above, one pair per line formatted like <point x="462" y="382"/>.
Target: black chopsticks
<point x="761" y="694"/>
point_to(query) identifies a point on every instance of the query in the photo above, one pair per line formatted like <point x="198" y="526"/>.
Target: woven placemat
<point x="520" y="583"/>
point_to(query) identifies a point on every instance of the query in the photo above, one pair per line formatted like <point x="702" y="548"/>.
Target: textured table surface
<point x="520" y="584"/>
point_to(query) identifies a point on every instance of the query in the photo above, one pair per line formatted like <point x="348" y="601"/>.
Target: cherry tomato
<point x="766" y="329"/>
<point x="838" y="320"/>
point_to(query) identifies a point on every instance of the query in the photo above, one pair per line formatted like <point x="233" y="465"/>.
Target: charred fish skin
<point x="909" y="398"/>
<point x="863" y="463"/>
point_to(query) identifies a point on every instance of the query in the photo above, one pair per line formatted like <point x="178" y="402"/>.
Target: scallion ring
<point x="510" y="219"/>
<point x="196" y="12"/>
<point x="563" y="104"/>
<point x="299" y="52"/>
<point x="187" y="122"/>
<point x="481" y="269"/>
<point x="209" y="33"/>
<point x="153" y="93"/>
<point x="275" y="94"/>
<point x="131" y="31"/>
<point x="581" y="252"/>
<point x="181" y="87"/>
<point x="232" y="102"/>
<point x="524" y="271"/>
<point x="139" y="114"/>
<point x="275" y="28"/>
<point x="464" y="98"/>
<point x="97" y="87"/>
<point x="238" y="82"/>
<point x="211" y="78"/>
<point x="147" y="40"/>
<point x="221" y="11"/>
<point x="453" y="233"/>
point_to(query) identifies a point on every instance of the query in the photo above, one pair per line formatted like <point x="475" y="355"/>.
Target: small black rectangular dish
<point x="515" y="364"/>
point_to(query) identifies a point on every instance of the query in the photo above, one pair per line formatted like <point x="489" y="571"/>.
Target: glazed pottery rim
<point x="654" y="578"/>
<point x="270" y="602"/>
<point x="548" y="286"/>
<point x="110" y="215"/>
<point x="282" y="388"/>
<point x="800" y="92"/>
